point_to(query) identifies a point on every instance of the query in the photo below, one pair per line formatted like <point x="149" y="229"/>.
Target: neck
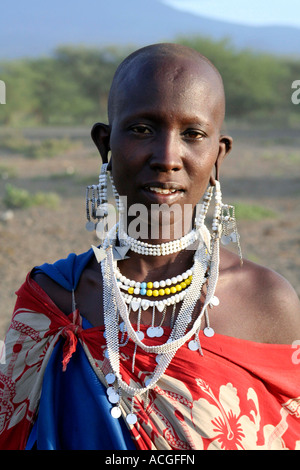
<point x="159" y="227"/>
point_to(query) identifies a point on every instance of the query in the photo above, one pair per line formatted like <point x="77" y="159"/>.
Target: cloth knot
<point x="70" y="332"/>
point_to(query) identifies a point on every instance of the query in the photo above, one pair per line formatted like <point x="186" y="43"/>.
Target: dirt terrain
<point x="263" y="170"/>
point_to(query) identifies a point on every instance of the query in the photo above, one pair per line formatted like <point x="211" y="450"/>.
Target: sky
<point x="254" y="12"/>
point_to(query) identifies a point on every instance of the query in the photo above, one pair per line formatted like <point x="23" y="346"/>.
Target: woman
<point x="173" y="346"/>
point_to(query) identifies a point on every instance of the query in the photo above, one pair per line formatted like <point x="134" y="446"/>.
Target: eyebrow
<point x="154" y="116"/>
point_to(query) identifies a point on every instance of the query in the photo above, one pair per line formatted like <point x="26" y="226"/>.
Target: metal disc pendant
<point x="110" y="378"/>
<point x="208" y="331"/>
<point x="193" y="345"/>
<point x="147" y="381"/>
<point x="140" y="335"/>
<point x="159" y="331"/>
<point x="225" y="239"/>
<point x="233" y="237"/>
<point x="110" y="390"/>
<point x="131" y="418"/>
<point x="114" y="397"/>
<point x="151" y="332"/>
<point x="115" y="412"/>
<point x="215" y="301"/>
<point x="90" y="226"/>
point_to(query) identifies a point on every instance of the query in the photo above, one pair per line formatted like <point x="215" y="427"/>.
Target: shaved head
<point x="168" y="62"/>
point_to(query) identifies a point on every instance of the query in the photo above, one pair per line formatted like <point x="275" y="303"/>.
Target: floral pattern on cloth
<point x="26" y="350"/>
<point x="225" y="420"/>
<point x="238" y="395"/>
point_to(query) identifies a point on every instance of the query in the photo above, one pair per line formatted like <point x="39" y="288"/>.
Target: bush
<point x="46" y="148"/>
<point x="253" y="212"/>
<point x="19" y="198"/>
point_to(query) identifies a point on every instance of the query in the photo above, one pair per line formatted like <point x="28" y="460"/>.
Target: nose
<point x="167" y="153"/>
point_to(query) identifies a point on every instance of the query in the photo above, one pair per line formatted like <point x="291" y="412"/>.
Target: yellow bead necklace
<point x="166" y="287"/>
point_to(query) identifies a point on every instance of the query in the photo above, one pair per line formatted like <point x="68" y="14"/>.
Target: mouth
<point x="153" y="189"/>
<point x="163" y="192"/>
<point x="165" y="189"/>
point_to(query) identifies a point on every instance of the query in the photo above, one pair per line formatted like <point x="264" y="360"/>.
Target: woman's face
<point x="165" y="135"/>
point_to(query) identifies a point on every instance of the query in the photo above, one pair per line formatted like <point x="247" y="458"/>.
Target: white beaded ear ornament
<point x="229" y="229"/>
<point x="96" y="204"/>
<point x="224" y="217"/>
<point x="97" y="209"/>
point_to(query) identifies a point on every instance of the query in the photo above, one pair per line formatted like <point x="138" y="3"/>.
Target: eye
<point x="140" y="129"/>
<point x="193" y="134"/>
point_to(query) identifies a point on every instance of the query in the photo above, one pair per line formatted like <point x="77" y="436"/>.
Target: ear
<point x="101" y="135"/>
<point x="225" y="146"/>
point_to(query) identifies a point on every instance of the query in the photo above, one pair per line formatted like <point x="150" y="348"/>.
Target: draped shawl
<point x="237" y="395"/>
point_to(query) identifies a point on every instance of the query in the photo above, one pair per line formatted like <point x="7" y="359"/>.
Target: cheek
<point x="202" y="168"/>
<point x="120" y="176"/>
<point x="123" y="172"/>
<point x="119" y="166"/>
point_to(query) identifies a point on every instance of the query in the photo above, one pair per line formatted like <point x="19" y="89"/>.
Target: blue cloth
<point x="66" y="272"/>
<point x="74" y="412"/>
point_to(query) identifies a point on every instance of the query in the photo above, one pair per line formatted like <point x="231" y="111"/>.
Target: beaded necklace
<point x="117" y="304"/>
<point x="116" y="307"/>
<point x="174" y="289"/>
<point x="162" y="249"/>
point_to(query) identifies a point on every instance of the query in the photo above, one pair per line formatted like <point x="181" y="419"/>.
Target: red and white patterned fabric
<point x="238" y="395"/>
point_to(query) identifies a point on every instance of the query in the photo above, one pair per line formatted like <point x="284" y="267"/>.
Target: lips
<point x="158" y="191"/>
<point x="161" y="190"/>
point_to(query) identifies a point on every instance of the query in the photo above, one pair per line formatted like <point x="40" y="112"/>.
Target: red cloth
<point x="238" y="395"/>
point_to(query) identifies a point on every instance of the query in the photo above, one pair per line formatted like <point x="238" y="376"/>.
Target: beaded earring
<point x="229" y="229"/>
<point x="96" y="205"/>
<point x="224" y="224"/>
<point x="97" y="209"/>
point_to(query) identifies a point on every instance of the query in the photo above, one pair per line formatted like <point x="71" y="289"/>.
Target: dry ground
<point x="263" y="170"/>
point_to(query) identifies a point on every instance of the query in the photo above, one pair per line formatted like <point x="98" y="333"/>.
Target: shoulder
<point x="59" y="279"/>
<point x="58" y="294"/>
<point x="271" y="300"/>
<point x="86" y="289"/>
<point x="272" y="290"/>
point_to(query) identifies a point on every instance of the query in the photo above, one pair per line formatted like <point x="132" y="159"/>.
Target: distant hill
<point x="34" y="28"/>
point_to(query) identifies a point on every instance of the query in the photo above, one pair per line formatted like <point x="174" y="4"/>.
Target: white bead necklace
<point x="115" y="306"/>
<point x="162" y="249"/>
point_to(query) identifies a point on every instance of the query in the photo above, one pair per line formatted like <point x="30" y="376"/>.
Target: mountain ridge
<point x="33" y="28"/>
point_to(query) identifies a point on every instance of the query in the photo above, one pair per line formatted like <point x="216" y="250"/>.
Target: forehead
<point x="170" y="83"/>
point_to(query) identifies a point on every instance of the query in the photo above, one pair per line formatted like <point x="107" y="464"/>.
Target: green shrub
<point x="253" y="212"/>
<point x="19" y="198"/>
<point x="46" y="148"/>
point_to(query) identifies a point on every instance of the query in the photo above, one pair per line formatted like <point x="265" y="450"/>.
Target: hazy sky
<point x="254" y="12"/>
